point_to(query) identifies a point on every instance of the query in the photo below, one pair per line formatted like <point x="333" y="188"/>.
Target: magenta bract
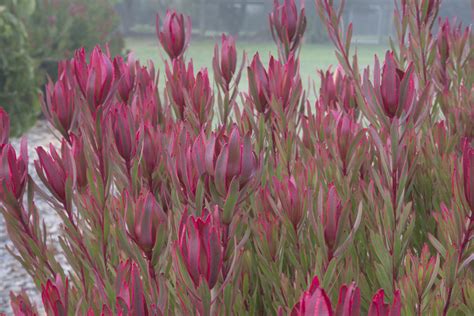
<point x="260" y="91"/>
<point x="393" y="79"/>
<point x="55" y="296"/>
<point x="378" y="307"/>
<point x="94" y="79"/>
<point x="60" y="101"/>
<point x="52" y="168"/>
<point x="123" y="128"/>
<point x="231" y="158"/>
<point x="314" y="301"/>
<point x="146" y="220"/>
<point x="468" y="172"/>
<point x="21" y="305"/>
<point x="4" y="128"/>
<point x="225" y="63"/>
<point x="349" y="301"/>
<point x="175" y="33"/>
<point x="14" y="170"/>
<point x="199" y="243"/>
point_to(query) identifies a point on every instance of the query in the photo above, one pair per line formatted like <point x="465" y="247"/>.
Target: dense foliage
<point x="57" y="28"/>
<point x="18" y="93"/>
<point x="210" y="201"/>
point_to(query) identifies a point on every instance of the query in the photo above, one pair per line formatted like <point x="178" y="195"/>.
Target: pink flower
<point x="130" y="298"/>
<point x="393" y="80"/>
<point x="312" y="302"/>
<point x="21" y="305"/>
<point x="349" y="301"/>
<point x="79" y="158"/>
<point x="4" y="128"/>
<point x="175" y="33"/>
<point x="287" y="26"/>
<point x="94" y="79"/>
<point x="468" y="172"/>
<point x="231" y="158"/>
<point x="125" y="75"/>
<point x="259" y="88"/>
<point x="55" y="296"/>
<point x="199" y="243"/>
<point x="292" y="195"/>
<point x="59" y="105"/>
<point x="123" y="127"/>
<point x="52" y="169"/>
<point x="346" y="131"/>
<point x="285" y="86"/>
<point x="145" y="222"/>
<point x="14" y="171"/>
<point x="225" y="68"/>
<point x="152" y="148"/>
<point x="181" y="166"/>
<point x="331" y="217"/>
<point x="379" y="308"/>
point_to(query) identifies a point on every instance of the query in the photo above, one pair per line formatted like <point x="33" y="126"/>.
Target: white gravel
<point x="12" y="275"/>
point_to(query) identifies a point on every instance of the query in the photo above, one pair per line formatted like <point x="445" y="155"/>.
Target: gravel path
<point x="12" y="275"/>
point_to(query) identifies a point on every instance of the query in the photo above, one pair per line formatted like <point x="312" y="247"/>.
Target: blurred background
<point x="36" y="34"/>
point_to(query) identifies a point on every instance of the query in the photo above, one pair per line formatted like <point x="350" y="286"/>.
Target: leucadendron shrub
<point x="207" y="198"/>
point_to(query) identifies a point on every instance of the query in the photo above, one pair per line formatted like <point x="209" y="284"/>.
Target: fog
<point x="248" y="19"/>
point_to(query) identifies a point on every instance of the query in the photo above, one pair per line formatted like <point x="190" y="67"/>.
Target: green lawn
<point x="313" y="57"/>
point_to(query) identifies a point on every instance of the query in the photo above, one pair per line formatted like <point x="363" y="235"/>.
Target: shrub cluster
<point x="215" y="201"/>
<point x="35" y="35"/>
<point x="18" y="94"/>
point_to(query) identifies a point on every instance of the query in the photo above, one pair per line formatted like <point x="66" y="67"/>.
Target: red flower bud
<point x="346" y="131"/>
<point x="52" y="169"/>
<point x="331" y="216"/>
<point x="468" y="172"/>
<point x="180" y="80"/>
<point x="145" y="222"/>
<point x="181" y="166"/>
<point x="442" y="40"/>
<point x="14" y="171"/>
<point x="123" y="127"/>
<point x="286" y="26"/>
<point x="79" y="158"/>
<point x="292" y="196"/>
<point x="440" y="136"/>
<point x="231" y="159"/>
<point x="59" y="105"/>
<point x="200" y="94"/>
<point x="199" y="243"/>
<point x="349" y="301"/>
<point x="379" y="308"/>
<point x="314" y="301"/>
<point x="21" y="305"/>
<point x="268" y="231"/>
<point x="130" y="299"/>
<point x="225" y="69"/>
<point x="327" y="91"/>
<point x="125" y="74"/>
<point x="391" y="85"/>
<point x="4" y="128"/>
<point x="146" y="105"/>
<point x="152" y="148"/>
<point x="419" y="270"/>
<point x="258" y="84"/>
<point x="285" y="86"/>
<point x="94" y="79"/>
<point x="55" y="297"/>
<point x="175" y="33"/>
